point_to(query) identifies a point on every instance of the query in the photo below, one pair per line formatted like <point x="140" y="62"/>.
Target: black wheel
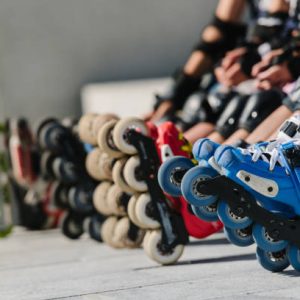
<point x="72" y="226"/>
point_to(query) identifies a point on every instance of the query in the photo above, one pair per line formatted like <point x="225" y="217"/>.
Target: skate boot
<point x="168" y="221"/>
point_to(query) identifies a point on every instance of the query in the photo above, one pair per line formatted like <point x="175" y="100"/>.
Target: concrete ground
<point x="45" y="265"/>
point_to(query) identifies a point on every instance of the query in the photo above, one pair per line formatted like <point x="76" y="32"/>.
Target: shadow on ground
<point x="220" y="241"/>
<point x="230" y="258"/>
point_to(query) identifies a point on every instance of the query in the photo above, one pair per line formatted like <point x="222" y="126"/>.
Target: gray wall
<point x="50" y="48"/>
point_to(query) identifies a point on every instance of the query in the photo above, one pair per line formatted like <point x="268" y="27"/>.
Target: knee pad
<point x="258" y="107"/>
<point x="216" y="101"/>
<point x="181" y="88"/>
<point x="219" y="37"/>
<point x="229" y="118"/>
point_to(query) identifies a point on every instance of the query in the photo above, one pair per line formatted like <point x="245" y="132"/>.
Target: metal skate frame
<point x="243" y="204"/>
<point x="172" y="225"/>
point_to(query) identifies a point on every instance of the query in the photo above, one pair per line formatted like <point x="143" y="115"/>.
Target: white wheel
<point x="153" y="248"/>
<point x="129" y="173"/>
<point x="113" y="197"/>
<point x="100" y="121"/>
<point x="121" y="233"/>
<point x="100" y="198"/>
<point x="92" y="165"/>
<point x="117" y="175"/>
<point x="141" y="212"/>
<point x="108" y="232"/>
<point x="145" y="243"/>
<point x="106" y="164"/>
<point x="131" y="211"/>
<point x="119" y="133"/>
<point x="85" y="126"/>
<point x="105" y="140"/>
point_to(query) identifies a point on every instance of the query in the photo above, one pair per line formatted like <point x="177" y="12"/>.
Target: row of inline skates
<point x="131" y="183"/>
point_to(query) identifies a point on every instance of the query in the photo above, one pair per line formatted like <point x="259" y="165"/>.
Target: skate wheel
<point x="272" y="261"/>
<point x="142" y="207"/>
<point x="130" y="175"/>
<point x="293" y="253"/>
<point x="265" y="242"/>
<point x="59" y="195"/>
<point x="108" y="231"/>
<point x="117" y="175"/>
<point x="106" y="164"/>
<point x="46" y="162"/>
<point x="122" y="233"/>
<point x="131" y="211"/>
<point x="105" y="140"/>
<point x="120" y="130"/>
<point x="113" y="200"/>
<point x="229" y="219"/>
<point x="100" y="196"/>
<point x="154" y="249"/>
<point x="80" y="200"/>
<point x="94" y="229"/>
<point x="72" y="226"/>
<point x="239" y="237"/>
<point x="85" y="126"/>
<point x="92" y="164"/>
<point x="145" y="243"/>
<point x="190" y="181"/>
<point x="171" y="172"/>
<point x="99" y="122"/>
<point x="206" y="213"/>
<point x="65" y="170"/>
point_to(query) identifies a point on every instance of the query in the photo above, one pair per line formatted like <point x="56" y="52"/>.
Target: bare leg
<point x="216" y="137"/>
<point x="199" y="131"/>
<point x="240" y="134"/>
<point x="269" y="125"/>
<point x="275" y="133"/>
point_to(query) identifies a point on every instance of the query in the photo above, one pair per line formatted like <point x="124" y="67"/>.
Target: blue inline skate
<point x="256" y="193"/>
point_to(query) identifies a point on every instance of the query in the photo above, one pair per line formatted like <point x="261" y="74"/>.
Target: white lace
<point x="260" y="153"/>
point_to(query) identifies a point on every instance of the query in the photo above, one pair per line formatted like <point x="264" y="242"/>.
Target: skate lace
<point x="268" y="152"/>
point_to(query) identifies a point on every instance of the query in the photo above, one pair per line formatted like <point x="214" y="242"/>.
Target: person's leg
<point x="269" y="126"/>
<point x="240" y="134"/>
<point x="216" y="39"/>
<point x="258" y="107"/>
<point x="199" y="131"/>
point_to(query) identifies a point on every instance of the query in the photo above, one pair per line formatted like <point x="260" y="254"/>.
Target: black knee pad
<point x="230" y="33"/>
<point x="258" y="107"/>
<point x="229" y="118"/>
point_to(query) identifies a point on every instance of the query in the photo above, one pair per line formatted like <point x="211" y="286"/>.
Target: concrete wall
<point x="50" y="48"/>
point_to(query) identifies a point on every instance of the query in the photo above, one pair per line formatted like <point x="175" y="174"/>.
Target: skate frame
<point x="243" y="204"/>
<point x="172" y="225"/>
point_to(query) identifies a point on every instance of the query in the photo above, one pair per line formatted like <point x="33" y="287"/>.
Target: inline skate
<point x="108" y="198"/>
<point x="256" y="195"/>
<point x="62" y="163"/>
<point x="168" y="221"/>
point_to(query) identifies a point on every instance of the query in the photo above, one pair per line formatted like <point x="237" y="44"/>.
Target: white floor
<point x="45" y="265"/>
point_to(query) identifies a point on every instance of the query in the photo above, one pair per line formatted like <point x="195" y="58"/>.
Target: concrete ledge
<point x="125" y="98"/>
